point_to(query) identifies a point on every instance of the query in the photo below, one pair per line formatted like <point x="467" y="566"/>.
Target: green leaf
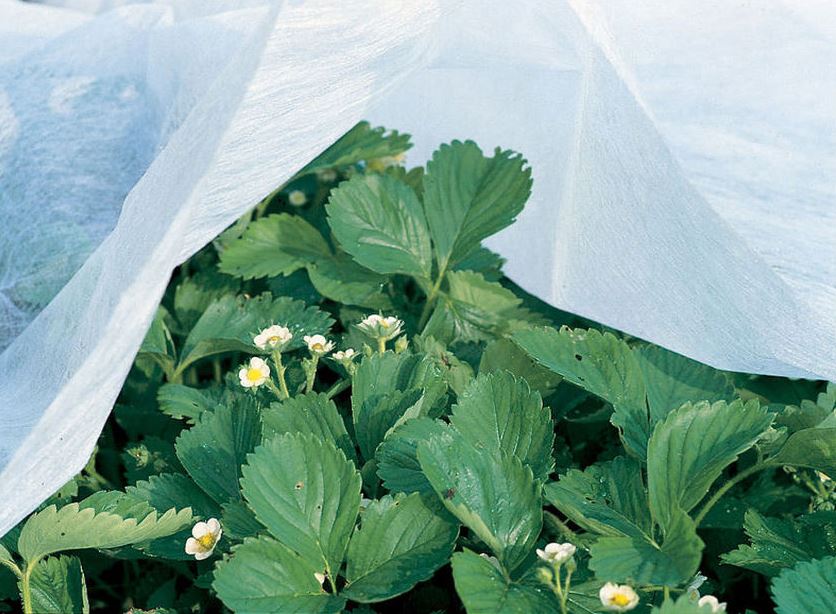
<point x="360" y="143"/>
<point x="230" y="323"/>
<point x="778" y="543"/>
<point x="312" y="413"/>
<point x="397" y="456"/>
<point x="75" y="527"/>
<point x="498" y="412"/>
<point x="471" y="482"/>
<point x="484" y="590"/>
<point x="474" y="309"/>
<point x="806" y="588"/>
<point x="213" y="450"/>
<point x="468" y="197"/>
<point x="401" y="541"/>
<point x="158" y="344"/>
<point x="672" y="380"/>
<point x="179" y="401"/>
<point x="484" y="261"/>
<point x="641" y="560"/>
<point x="306" y="493"/>
<point x="173" y="490"/>
<point x="194" y="294"/>
<point x="503" y="354"/>
<point x="601" y="364"/>
<point x="389" y="389"/>
<point x="685" y="604"/>
<point x="607" y="498"/>
<point x="274" y="245"/>
<point x="690" y="448"/>
<point x="265" y="576"/>
<point x="814" y="448"/>
<point x="344" y="281"/>
<point x="57" y="585"/>
<point x="239" y="521"/>
<point x="380" y="222"/>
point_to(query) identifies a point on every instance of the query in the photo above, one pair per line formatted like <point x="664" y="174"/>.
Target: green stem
<point x="280" y="369"/>
<point x="381" y="344"/>
<point x="431" y="297"/>
<point x="312" y="373"/>
<point x="337" y="388"/>
<point x="216" y="369"/>
<point x="725" y="488"/>
<point x="25" y="587"/>
<point x="557" y="588"/>
<point x="667" y="593"/>
<point x="559" y="526"/>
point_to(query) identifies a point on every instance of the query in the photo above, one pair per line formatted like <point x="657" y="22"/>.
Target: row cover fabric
<point x="682" y="199"/>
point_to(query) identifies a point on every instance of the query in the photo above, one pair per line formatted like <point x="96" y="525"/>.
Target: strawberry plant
<point x="343" y="405"/>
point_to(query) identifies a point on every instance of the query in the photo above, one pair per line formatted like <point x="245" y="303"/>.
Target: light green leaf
<point x="504" y="354"/>
<point x="230" y="323"/>
<point x="474" y="309"/>
<point x="814" y="448"/>
<point x="274" y="245"/>
<point x="471" y="482"/>
<point x="498" y="412"/>
<point x="306" y="493"/>
<point x="380" y="222"/>
<point x="685" y="604"/>
<point x="360" y="143"/>
<point x="778" y="543"/>
<point x="213" y="450"/>
<point x="690" y="448"/>
<point x="397" y="459"/>
<point x="484" y="589"/>
<point x="312" y="413"/>
<point x="57" y="585"/>
<point x="806" y="588"/>
<point x="75" y="527"/>
<point x="194" y="294"/>
<point x="672" y="379"/>
<point x="606" y="498"/>
<point x="468" y="197"/>
<point x="344" y="281"/>
<point x="179" y="401"/>
<point x="641" y="560"/>
<point x="158" y="344"/>
<point x="401" y="541"/>
<point x="265" y="576"/>
<point x="601" y="364"/>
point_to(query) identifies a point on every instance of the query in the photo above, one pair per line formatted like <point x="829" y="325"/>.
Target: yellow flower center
<point x="274" y="340"/>
<point x="253" y="375"/>
<point x="206" y="541"/>
<point x="318" y="347"/>
<point x="619" y="599"/>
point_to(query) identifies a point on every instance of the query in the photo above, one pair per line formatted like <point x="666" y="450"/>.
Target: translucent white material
<point x="679" y="198"/>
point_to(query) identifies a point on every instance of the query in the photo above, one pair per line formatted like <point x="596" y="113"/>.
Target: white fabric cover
<point x="683" y="154"/>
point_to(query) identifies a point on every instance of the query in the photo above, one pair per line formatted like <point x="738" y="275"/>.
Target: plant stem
<point x="559" y="526"/>
<point x="312" y="373"/>
<point x="725" y="488"/>
<point x="431" y="297"/>
<point x="25" y="587"/>
<point x="381" y="344"/>
<point x="280" y="369"/>
<point x="337" y="388"/>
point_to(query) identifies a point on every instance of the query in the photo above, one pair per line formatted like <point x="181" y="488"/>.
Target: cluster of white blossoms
<point x="318" y="345"/>
<point x="716" y="605"/>
<point x="618" y="597"/>
<point x="380" y="327"/>
<point x="256" y="373"/>
<point x="344" y="355"/>
<point x="205" y="536"/>
<point x="557" y="554"/>
<point x="273" y="337"/>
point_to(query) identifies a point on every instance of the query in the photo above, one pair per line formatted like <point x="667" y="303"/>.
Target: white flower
<point x="205" y="536"/>
<point x="327" y="175"/>
<point x="255" y="374"/>
<point x="320" y="577"/>
<point x="711" y="600"/>
<point x="557" y="554"/>
<point x="275" y="337"/>
<point x="318" y="344"/>
<point x="384" y="162"/>
<point x="376" y="325"/>
<point x="297" y="198"/>
<point x="823" y="477"/>
<point x="346" y="355"/>
<point x="618" y="597"/>
<point x="492" y="560"/>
